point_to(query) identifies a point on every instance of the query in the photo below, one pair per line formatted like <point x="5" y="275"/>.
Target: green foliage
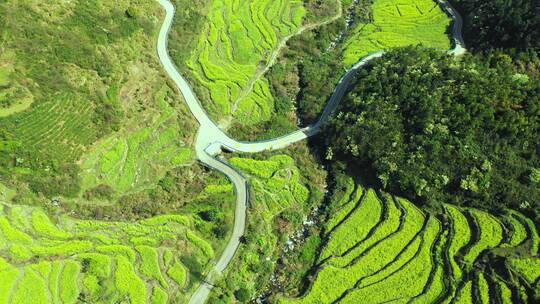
<point x="138" y="158"/>
<point x="236" y="41"/>
<point x="150" y="264"/>
<point x="31" y="286"/>
<point x="177" y="272"/>
<point x="13" y="234"/>
<point x="280" y="196"/>
<point x="71" y="260"/>
<point x="159" y="296"/>
<point x="350" y="233"/>
<point x="65" y="97"/>
<point x="9" y="278"/>
<point x="405" y="256"/>
<point x="483" y="289"/>
<point x="464" y="295"/>
<point x="519" y="232"/>
<point x="490" y="235"/>
<point x="503" y="24"/>
<point x="69" y="288"/>
<point x="242" y="295"/>
<point x="529" y="268"/>
<point x="342" y="202"/>
<point x="461" y="234"/>
<point x="441" y="129"/>
<point x="203" y="245"/>
<point x="407" y="282"/>
<point x="127" y="281"/>
<point x="43" y="225"/>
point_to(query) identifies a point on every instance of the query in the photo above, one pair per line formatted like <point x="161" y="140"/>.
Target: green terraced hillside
<point x="238" y="40"/>
<point x="398" y="23"/>
<point x="84" y="102"/>
<point x="64" y="260"/>
<point x="380" y="248"/>
<point x="53" y="257"/>
<point x="284" y="186"/>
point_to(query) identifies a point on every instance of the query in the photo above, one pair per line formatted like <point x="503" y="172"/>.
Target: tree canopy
<point x="508" y="24"/>
<point x="440" y="129"/>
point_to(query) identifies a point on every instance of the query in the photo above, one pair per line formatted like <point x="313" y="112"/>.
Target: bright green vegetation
<point x="349" y="198"/>
<point x="177" y="272"/>
<point x="351" y="234"/>
<point x="281" y="194"/>
<point x="534" y="236"/>
<point x="387" y="249"/>
<point x="483" y="289"/>
<point x="461" y="236"/>
<point x="77" y="80"/>
<point x="519" y="231"/>
<point x="504" y="292"/>
<point x="159" y="296"/>
<point x="464" y="296"/>
<point x="234" y="46"/>
<point x="529" y="268"/>
<point x="150" y="264"/>
<point x="14" y="96"/>
<point x="312" y="63"/>
<point x="490" y="235"/>
<point x="275" y="190"/>
<point x="137" y="158"/>
<point x="398" y="23"/>
<point x="68" y="260"/>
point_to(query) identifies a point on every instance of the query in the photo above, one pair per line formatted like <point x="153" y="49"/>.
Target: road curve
<point x="211" y="140"/>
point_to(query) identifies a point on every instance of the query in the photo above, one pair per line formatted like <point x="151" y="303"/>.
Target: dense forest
<point x="513" y="25"/>
<point x="439" y="129"/>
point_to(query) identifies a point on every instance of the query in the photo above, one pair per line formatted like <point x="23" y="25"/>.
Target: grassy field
<point x="398" y="23"/>
<point x="236" y="42"/>
<point x="80" y="81"/>
<point x="61" y="259"/>
<point x="381" y="248"/>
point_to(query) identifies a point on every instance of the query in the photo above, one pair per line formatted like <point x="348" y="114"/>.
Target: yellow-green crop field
<point x="399" y="23"/>
<point x="277" y="188"/>
<point x="137" y="158"/>
<point x="381" y="248"/>
<point x="65" y="260"/>
<point x="236" y="42"/>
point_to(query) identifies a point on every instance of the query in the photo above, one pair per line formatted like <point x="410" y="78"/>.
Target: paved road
<point x="211" y="140"/>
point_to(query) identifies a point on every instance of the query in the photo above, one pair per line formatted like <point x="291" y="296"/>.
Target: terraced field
<point x="79" y="79"/>
<point x="237" y="42"/>
<point x="381" y="248"/>
<point x="398" y="23"/>
<point x="66" y="260"/>
<point x="138" y="158"/>
<point x="280" y="194"/>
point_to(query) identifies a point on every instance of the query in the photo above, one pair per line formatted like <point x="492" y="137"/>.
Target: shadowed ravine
<point x="211" y="139"/>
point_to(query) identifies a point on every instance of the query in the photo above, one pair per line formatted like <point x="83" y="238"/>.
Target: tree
<point x="439" y="129"/>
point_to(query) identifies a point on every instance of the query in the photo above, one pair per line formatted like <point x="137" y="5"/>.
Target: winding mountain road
<point x="211" y="140"/>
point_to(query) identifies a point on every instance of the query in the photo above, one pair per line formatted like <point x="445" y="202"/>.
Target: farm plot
<point x="279" y="201"/>
<point x="236" y="43"/>
<point x="387" y="250"/>
<point x="75" y="78"/>
<point x="398" y="23"/>
<point x="65" y="260"/>
<point x="134" y="159"/>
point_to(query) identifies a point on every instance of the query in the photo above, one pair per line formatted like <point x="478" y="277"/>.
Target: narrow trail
<point x="211" y="140"/>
